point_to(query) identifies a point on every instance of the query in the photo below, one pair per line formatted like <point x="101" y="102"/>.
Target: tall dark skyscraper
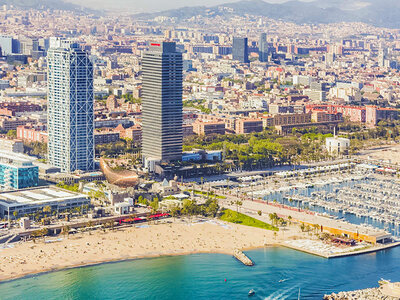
<point x="240" y="50"/>
<point x="263" y="48"/>
<point x="162" y="103"/>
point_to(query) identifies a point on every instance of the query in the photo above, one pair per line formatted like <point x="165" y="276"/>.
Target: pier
<point x="351" y="252"/>
<point x="240" y="256"/>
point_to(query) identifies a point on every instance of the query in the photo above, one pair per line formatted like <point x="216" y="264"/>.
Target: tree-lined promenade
<point x="269" y="149"/>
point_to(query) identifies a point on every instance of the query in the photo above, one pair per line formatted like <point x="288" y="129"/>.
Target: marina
<point x="368" y="200"/>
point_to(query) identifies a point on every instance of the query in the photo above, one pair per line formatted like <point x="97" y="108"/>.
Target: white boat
<point x="252" y="292"/>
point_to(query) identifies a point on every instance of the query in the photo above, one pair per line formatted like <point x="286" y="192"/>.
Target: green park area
<point x="239" y="218"/>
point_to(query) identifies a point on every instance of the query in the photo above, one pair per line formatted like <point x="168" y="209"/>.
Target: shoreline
<point x="26" y="259"/>
<point x="127" y="259"/>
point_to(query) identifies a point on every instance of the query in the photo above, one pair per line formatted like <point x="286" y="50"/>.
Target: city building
<point x="18" y="108"/>
<point x="208" y="128"/>
<point x="286" y="119"/>
<point x="30" y="201"/>
<point x="133" y="133"/>
<point x="315" y="95"/>
<point x="70" y="107"/>
<point x="263" y="48"/>
<point x="7" y="123"/>
<point x="8" y="45"/>
<point x="105" y="137"/>
<point x="11" y="146"/>
<point x="285" y="109"/>
<point x="244" y="126"/>
<point x="17" y="171"/>
<point x="162" y="103"/>
<point x="32" y="133"/>
<point x="374" y="115"/>
<point x="240" y="50"/>
<point x="336" y="145"/>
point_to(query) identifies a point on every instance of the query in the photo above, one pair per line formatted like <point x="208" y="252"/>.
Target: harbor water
<point x="278" y="273"/>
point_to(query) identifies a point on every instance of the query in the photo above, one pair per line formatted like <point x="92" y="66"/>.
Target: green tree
<point x="12" y="134"/>
<point x="154" y="205"/>
<point x="175" y="211"/>
<point x="189" y="208"/>
<point x="212" y="208"/>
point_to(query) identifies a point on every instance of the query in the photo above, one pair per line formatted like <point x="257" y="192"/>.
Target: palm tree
<point x="15" y="214"/>
<point x="274" y="218"/>
<point x="89" y="225"/>
<point x="65" y="230"/>
<point x="43" y="233"/>
<point x="238" y="204"/>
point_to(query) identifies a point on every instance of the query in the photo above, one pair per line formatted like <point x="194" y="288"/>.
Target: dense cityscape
<point x="120" y="132"/>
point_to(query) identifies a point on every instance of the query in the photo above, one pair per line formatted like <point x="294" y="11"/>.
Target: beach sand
<point x="95" y="247"/>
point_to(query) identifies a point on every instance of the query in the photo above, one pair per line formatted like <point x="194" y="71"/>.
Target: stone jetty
<point x="387" y="291"/>
<point x="239" y="255"/>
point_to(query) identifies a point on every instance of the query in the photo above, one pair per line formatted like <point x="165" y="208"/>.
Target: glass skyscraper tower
<point x="70" y="107"/>
<point x="240" y="50"/>
<point x="162" y="103"/>
<point x="263" y="48"/>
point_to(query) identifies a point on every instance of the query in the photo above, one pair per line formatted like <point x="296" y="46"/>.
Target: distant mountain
<point x="383" y="13"/>
<point x="45" y="4"/>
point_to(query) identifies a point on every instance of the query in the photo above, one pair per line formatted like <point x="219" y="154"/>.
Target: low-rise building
<point x="105" y="137"/>
<point x="133" y="133"/>
<point x="17" y="171"/>
<point x="32" y="133"/>
<point x="7" y="123"/>
<point x="208" y="128"/>
<point x="13" y="109"/>
<point x="29" y="201"/>
<point x="9" y="145"/>
<point x="244" y="126"/>
<point x="336" y="145"/>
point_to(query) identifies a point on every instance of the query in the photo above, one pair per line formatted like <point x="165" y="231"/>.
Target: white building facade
<point x="70" y="107"/>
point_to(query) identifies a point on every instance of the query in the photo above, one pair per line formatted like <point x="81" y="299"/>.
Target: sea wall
<point x="367" y="294"/>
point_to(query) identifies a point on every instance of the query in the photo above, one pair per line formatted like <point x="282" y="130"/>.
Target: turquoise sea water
<point x="202" y="276"/>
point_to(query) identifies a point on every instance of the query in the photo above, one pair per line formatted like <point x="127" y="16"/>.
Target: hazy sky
<point x="135" y="6"/>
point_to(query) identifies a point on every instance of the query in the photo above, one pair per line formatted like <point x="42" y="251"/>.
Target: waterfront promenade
<point x="308" y="217"/>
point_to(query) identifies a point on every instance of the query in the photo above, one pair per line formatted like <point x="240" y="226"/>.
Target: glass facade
<point x="18" y="177"/>
<point x="263" y="48"/>
<point x="240" y="50"/>
<point x="162" y="103"/>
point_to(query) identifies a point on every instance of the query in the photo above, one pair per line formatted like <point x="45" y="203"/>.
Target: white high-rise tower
<point x="70" y="107"/>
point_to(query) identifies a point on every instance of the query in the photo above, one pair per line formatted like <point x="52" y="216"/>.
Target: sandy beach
<point x="129" y="243"/>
